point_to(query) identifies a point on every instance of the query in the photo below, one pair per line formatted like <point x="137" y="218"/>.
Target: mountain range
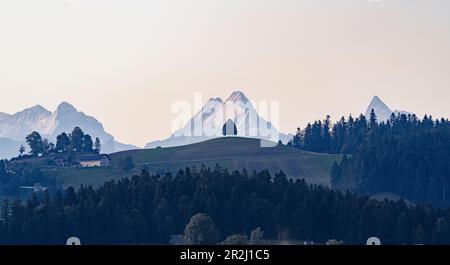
<point x="208" y="123"/>
<point x="15" y="127"/>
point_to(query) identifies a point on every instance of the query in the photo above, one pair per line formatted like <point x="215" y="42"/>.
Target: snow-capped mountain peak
<point x="37" y="111"/>
<point x="17" y="126"/>
<point x="208" y="123"/>
<point x="377" y="103"/>
<point x="237" y="96"/>
<point x="382" y="111"/>
<point x="65" y="107"/>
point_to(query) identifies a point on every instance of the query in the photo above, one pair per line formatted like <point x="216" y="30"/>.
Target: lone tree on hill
<point x="229" y="128"/>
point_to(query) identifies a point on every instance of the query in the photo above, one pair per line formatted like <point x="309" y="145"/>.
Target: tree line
<point x="342" y="137"/>
<point x="77" y="141"/>
<point x="154" y="209"/>
<point x="404" y="155"/>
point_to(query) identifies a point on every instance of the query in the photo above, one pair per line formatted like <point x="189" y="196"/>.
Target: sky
<point x="126" y="62"/>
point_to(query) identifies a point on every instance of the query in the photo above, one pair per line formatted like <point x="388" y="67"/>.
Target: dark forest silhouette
<point x="148" y="209"/>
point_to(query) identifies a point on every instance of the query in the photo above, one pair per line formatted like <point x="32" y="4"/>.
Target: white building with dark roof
<point x="94" y="160"/>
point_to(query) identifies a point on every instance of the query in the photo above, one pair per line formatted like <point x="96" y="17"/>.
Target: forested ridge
<point x="150" y="209"/>
<point x="405" y="155"/>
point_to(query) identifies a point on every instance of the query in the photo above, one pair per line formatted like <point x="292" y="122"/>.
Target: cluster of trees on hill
<point x="77" y="141"/>
<point x="347" y="135"/>
<point x="405" y="156"/>
<point x="149" y="209"/>
<point x="343" y="137"/>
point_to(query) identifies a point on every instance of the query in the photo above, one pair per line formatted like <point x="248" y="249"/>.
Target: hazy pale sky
<point x="125" y="62"/>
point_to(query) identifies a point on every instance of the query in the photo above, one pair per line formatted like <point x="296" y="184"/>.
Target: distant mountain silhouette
<point x="382" y="111"/>
<point x="208" y="123"/>
<point x="15" y="127"/>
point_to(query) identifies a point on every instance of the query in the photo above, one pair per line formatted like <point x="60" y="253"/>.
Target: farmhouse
<point x="94" y="160"/>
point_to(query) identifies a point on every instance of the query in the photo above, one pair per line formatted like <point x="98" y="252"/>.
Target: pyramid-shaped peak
<point x="65" y="107"/>
<point x="382" y="111"/>
<point x="376" y="99"/>
<point x="238" y="96"/>
<point x="377" y="103"/>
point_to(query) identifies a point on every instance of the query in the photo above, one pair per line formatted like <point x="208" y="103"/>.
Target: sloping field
<point x="237" y="153"/>
<point x="233" y="153"/>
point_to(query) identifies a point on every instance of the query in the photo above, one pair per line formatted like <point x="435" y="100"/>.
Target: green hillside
<point x="230" y="152"/>
<point x="86" y="176"/>
<point x="237" y="153"/>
